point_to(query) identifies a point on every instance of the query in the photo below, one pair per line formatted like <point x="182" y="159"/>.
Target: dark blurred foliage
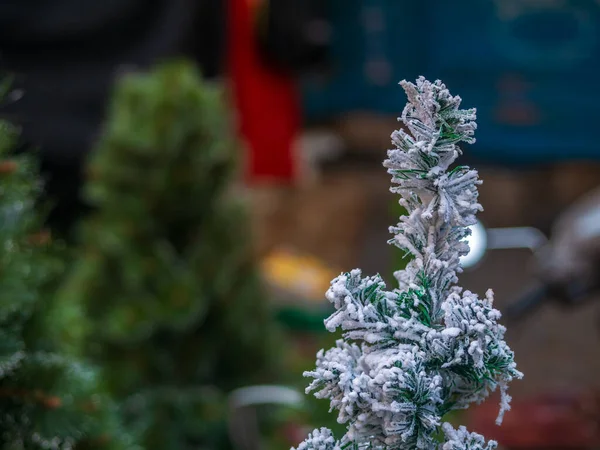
<point x="165" y="269"/>
<point x="48" y="395"/>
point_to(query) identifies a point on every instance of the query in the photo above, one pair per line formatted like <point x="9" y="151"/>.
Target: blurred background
<point x="313" y="86"/>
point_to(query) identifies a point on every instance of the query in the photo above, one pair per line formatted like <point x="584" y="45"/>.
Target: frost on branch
<point x="461" y="439"/>
<point x="319" y="439"/>
<point x="412" y="354"/>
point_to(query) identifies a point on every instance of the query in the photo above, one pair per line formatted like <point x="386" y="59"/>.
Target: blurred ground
<point x="343" y="218"/>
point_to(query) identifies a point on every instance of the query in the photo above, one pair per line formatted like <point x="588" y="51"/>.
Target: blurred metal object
<point x="518" y="237"/>
<point x="568" y="266"/>
<point x="574" y="251"/>
<point x="567" y="271"/>
<point x="481" y="240"/>
<point x="244" y="429"/>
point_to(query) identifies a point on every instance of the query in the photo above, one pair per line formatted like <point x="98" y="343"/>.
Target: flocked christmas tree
<point x="166" y="269"/>
<point x="412" y="354"/>
<point x="49" y="398"/>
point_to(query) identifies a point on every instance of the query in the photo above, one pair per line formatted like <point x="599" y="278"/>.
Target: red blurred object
<point x="267" y="102"/>
<point x="295" y="433"/>
<point x="569" y="420"/>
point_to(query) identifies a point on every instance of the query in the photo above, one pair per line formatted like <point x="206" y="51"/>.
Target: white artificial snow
<point x="319" y="439"/>
<point x="461" y="439"/>
<point x="414" y="353"/>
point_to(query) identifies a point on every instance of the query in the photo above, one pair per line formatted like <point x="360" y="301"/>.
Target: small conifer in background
<point x="176" y="309"/>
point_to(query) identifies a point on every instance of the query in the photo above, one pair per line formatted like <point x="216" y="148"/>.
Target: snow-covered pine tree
<point x="415" y="353"/>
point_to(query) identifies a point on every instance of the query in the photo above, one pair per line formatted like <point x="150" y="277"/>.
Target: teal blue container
<point x="529" y="67"/>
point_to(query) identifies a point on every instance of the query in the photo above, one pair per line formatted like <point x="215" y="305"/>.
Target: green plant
<point x="176" y="310"/>
<point x="49" y="398"/>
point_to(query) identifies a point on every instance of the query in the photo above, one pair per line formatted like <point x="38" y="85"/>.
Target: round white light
<point x="477" y="243"/>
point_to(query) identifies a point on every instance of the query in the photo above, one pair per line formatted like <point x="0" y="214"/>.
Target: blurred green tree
<point x="48" y="397"/>
<point x="177" y="314"/>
